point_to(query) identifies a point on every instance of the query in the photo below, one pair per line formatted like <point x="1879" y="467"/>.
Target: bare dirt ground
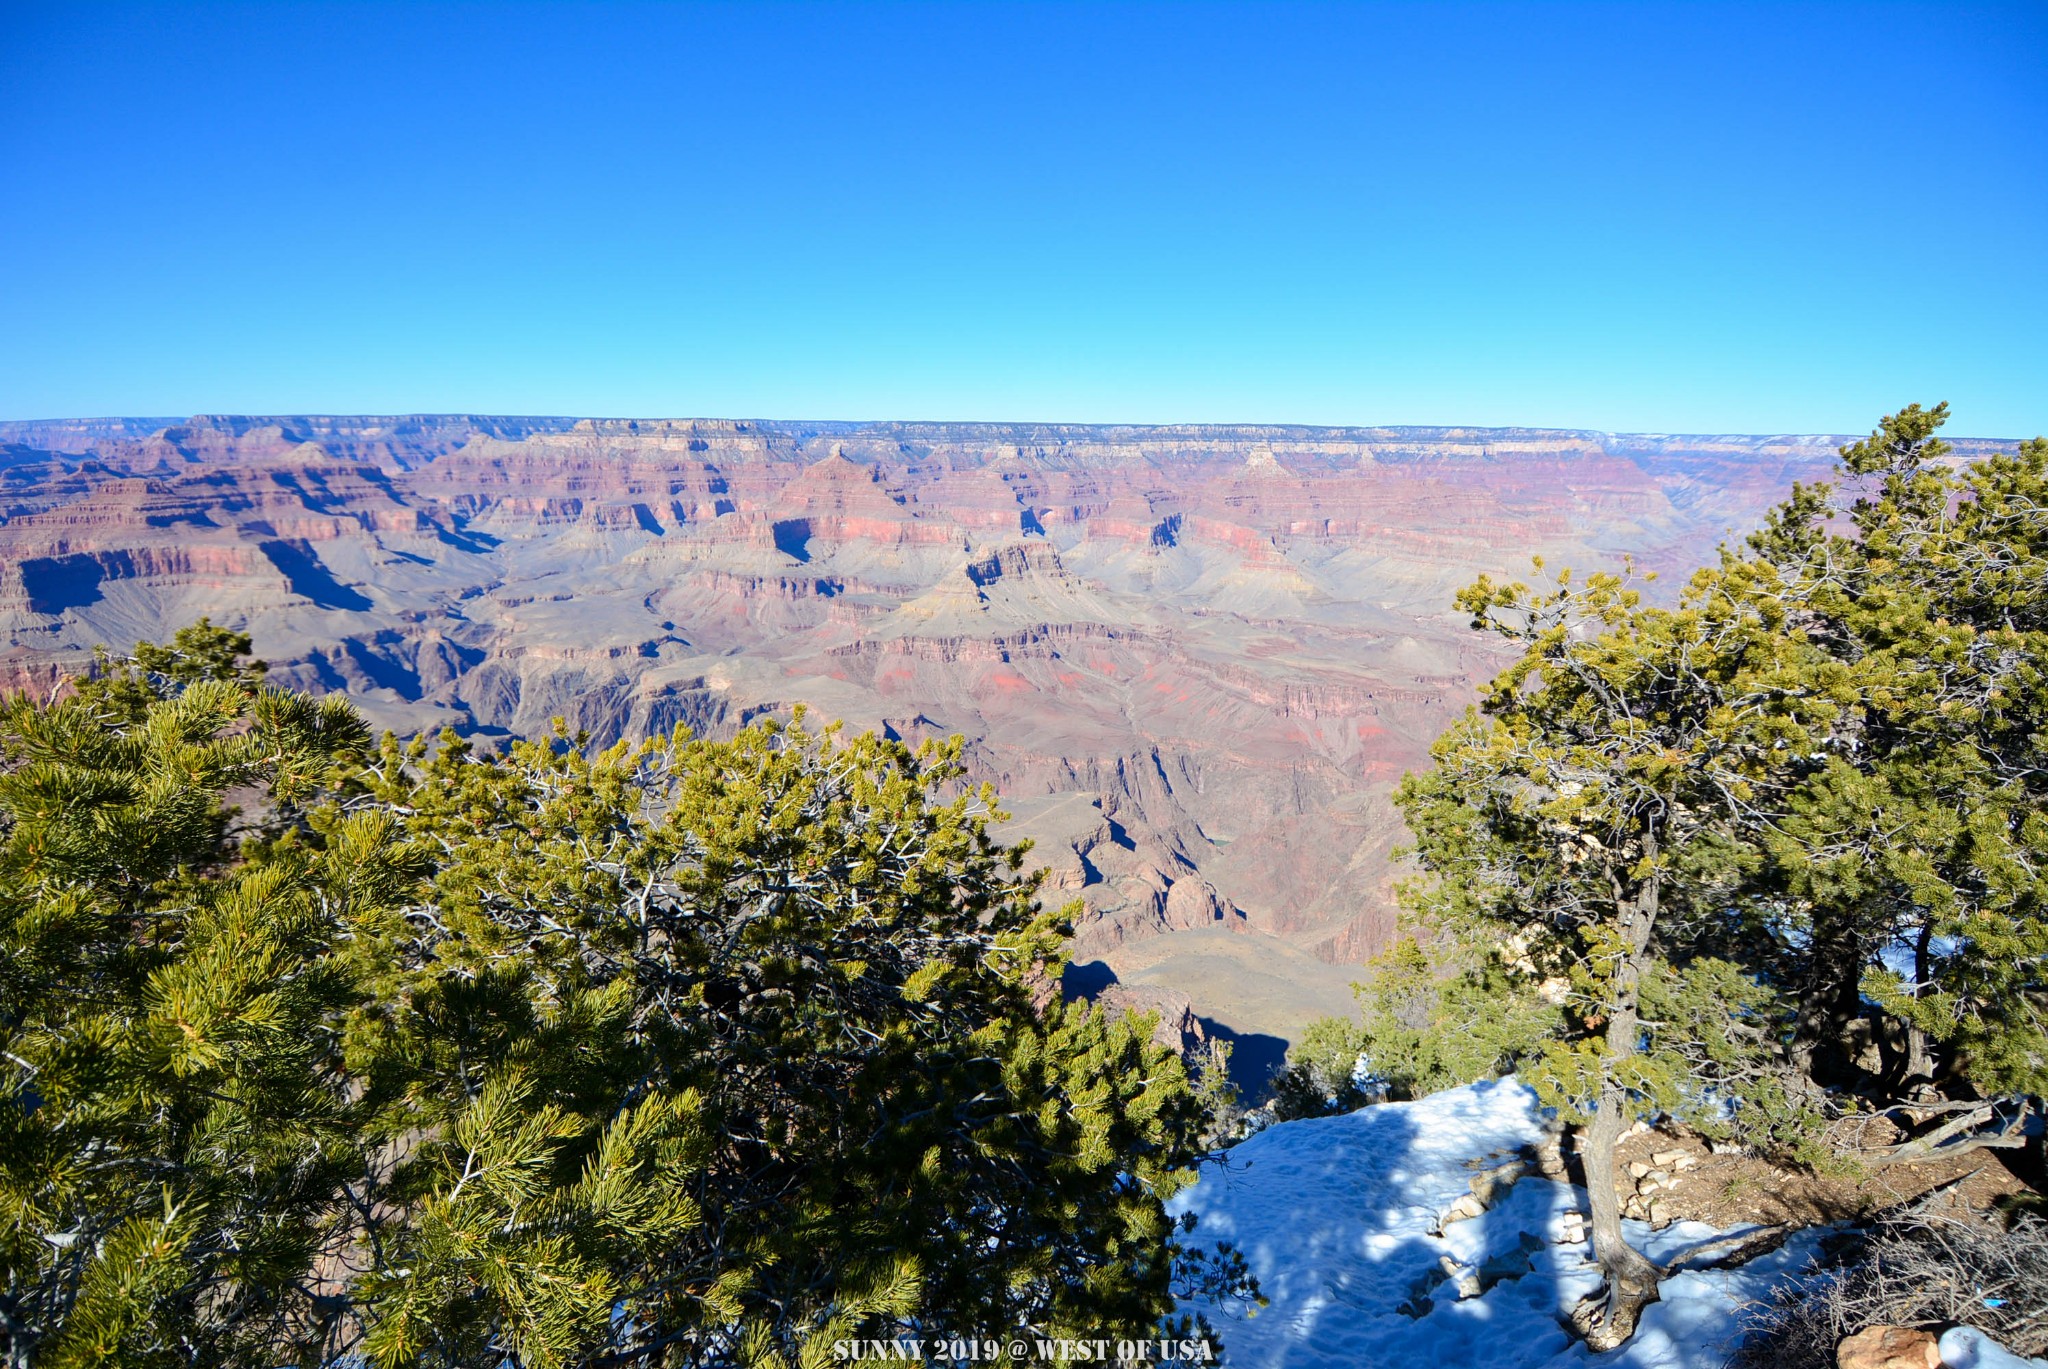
<point x="1731" y="1189"/>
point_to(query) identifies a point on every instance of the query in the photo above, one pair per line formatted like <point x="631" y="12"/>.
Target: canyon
<point x="1195" y="660"/>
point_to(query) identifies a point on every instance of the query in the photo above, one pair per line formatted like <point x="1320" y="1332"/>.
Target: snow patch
<point x="1339" y="1219"/>
<point x="1965" y="1347"/>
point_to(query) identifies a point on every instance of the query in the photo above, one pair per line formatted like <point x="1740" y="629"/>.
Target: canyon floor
<point x="1194" y="660"/>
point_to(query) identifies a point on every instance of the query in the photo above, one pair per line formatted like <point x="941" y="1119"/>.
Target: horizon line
<point x="169" y="421"/>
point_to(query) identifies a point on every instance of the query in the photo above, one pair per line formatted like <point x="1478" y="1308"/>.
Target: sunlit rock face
<point x="1195" y="659"/>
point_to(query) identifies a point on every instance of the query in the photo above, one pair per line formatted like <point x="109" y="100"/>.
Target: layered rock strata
<point x="1195" y="659"/>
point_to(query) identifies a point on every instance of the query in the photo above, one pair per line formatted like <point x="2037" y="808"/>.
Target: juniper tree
<point x="1716" y="819"/>
<point x="1920" y="827"/>
<point x="1587" y="816"/>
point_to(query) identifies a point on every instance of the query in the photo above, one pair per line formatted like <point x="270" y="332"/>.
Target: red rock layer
<point x="1195" y="659"/>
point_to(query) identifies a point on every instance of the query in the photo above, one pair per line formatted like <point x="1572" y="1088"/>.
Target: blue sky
<point x="1685" y="217"/>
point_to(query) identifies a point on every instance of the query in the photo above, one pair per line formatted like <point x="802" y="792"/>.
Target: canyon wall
<point x="1195" y="659"/>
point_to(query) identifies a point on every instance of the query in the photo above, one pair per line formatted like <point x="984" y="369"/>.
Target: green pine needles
<point x="685" y="1053"/>
<point x="1770" y="852"/>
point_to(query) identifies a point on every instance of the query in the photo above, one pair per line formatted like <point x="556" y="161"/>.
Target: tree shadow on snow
<point x="1339" y="1218"/>
<point x="1342" y="1221"/>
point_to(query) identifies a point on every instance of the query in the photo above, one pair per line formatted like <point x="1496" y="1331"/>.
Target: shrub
<point x="1912" y="1271"/>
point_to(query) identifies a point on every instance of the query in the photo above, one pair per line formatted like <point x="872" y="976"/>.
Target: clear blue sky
<point x="1684" y="217"/>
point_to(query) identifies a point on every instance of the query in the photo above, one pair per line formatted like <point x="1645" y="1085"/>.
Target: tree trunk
<point x="1830" y="1001"/>
<point x="1919" y="1053"/>
<point x="1631" y="1278"/>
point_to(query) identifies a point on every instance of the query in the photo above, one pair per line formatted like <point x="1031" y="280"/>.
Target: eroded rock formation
<point x="1195" y="659"/>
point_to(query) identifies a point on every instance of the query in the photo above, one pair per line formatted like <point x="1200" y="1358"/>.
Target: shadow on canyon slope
<point x="54" y="584"/>
<point x="310" y="579"/>
<point x="1255" y="1057"/>
<point x="1086" y="979"/>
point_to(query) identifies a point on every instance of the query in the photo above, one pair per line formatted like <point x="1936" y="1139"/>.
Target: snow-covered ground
<point x="1965" y="1347"/>
<point x="1335" y="1216"/>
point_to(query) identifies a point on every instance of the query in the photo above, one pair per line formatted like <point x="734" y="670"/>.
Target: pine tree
<point x="174" y="1119"/>
<point x="1423" y="1025"/>
<point x="790" y="993"/>
<point x="684" y="1053"/>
